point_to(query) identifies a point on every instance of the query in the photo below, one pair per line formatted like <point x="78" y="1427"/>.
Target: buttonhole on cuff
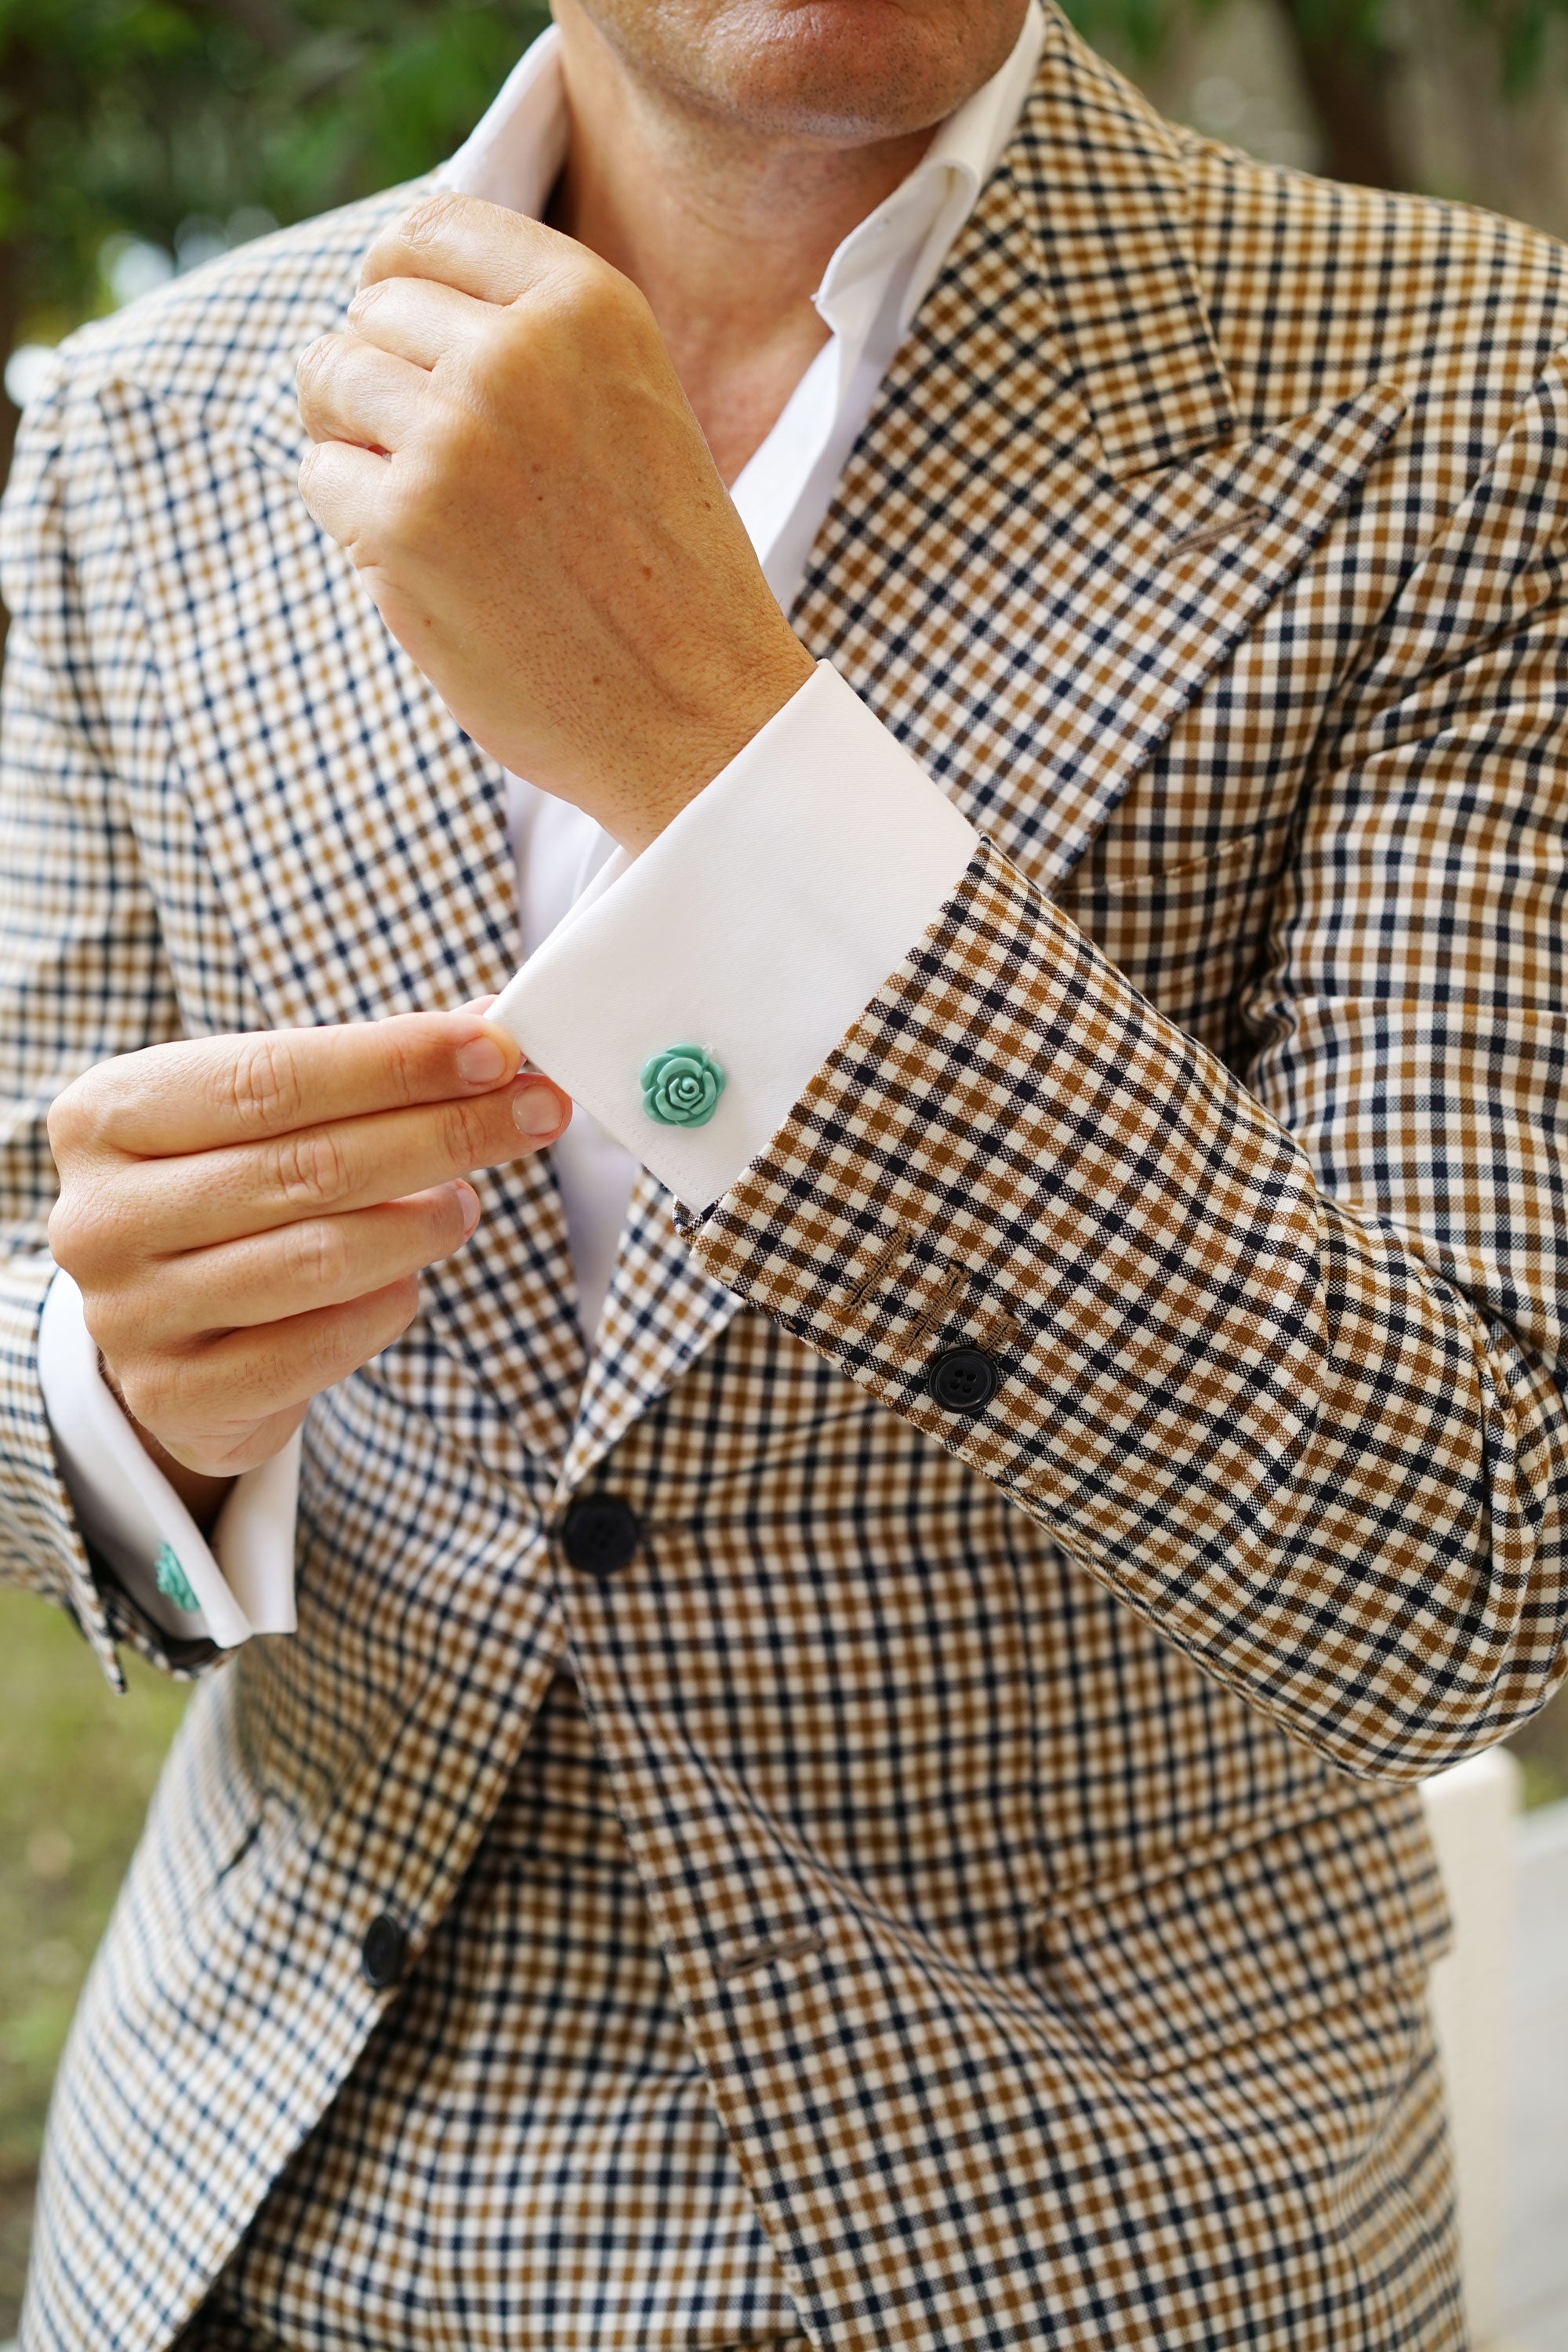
<point x="793" y="1946"/>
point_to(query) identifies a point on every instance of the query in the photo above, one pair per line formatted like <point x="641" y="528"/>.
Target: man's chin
<point x="841" y="71"/>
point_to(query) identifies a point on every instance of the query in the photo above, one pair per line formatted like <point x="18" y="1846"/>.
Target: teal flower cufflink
<point x="681" y="1086"/>
<point x="173" y="1583"/>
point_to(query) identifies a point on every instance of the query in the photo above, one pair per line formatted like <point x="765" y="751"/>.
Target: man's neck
<point x="727" y="235"/>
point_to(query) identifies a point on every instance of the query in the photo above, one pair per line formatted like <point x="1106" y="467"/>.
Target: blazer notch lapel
<point x="662" y="1311"/>
<point x="1051" y="533"/>
<point x="1101" y="181"/>
<point x="1179" y="568"/>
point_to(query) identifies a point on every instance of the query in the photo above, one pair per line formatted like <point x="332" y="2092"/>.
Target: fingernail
<point x="480" y="1063"/>
<point x="537" y="1111"/>
<point x="468" y="1202"/>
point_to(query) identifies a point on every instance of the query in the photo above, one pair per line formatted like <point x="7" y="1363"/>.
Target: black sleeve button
<point x="600" y="1535"/>
<point x="383" y="1955"/>
<point x="964" y="1380"/>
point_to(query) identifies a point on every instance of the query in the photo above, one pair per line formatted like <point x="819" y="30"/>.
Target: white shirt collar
<point x="918" y="222"/>
<point x="514" y="155"/>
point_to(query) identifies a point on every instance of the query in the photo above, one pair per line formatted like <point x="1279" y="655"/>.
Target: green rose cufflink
<point x="681" y="1086"/>
<point x="173" y="1583"/>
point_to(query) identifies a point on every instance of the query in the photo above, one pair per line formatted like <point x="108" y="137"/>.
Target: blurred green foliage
<point x="1348" y="55"/>
<point x="140" y="116"/>
<point x="1364" y="27"/>
<point x="143" y="116"/>
<point x="168" y="121"/>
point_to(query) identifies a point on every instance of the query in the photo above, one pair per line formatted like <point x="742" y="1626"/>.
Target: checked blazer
<point x="1021" y="1799"/>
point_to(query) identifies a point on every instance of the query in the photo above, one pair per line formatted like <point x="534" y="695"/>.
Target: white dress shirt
<point x="800" y="877"/>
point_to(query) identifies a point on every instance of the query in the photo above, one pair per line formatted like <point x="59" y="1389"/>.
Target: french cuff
<point x="240" y="1583"/>
<point x="691" y="995"/>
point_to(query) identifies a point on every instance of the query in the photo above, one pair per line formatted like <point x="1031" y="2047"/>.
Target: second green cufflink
<point x="681" y="1086"/>
<point x="173" y="1583"/>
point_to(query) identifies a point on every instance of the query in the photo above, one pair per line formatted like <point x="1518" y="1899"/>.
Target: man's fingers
<point x="341" y="488"/>
<point x="204" y="1093"/>
<point x="285" y="1364"/>
<point x="482" y="249"/>
<point x="268" y="1277"/>
<point x="324" y="1172"/>
<point x="417" y="319"/>
<point x="356" y="391"/>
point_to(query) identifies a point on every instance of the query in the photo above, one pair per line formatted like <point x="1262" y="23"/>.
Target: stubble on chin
<point x="840" y="71"/>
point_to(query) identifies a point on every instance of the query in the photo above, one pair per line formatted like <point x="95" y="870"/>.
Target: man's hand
<point x="246" y="1217"/>
<point x="504" y="450"/>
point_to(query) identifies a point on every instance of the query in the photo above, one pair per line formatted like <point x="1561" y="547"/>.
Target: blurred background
<point x="141" y="138"/>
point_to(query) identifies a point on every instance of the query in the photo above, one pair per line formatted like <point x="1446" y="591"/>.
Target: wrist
<point x="692" y="759"/>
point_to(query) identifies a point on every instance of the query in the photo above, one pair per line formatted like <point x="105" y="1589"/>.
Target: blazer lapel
<point x="661" y="1312"/>
<point x="1049" y="537"/>
<point x="357" y="836"/>
<point x="1051" y="534"/>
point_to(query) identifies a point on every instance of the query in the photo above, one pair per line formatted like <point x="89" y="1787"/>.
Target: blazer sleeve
<point x="82" y="971"/>
<point x="1276" y="1355"/>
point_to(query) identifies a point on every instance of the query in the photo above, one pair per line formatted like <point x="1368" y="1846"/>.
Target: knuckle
<point x="68" y="1119"/>
<point x="454" y="431"/>
<point x="340" y="1343"/>
<point x="402" y="1306"/>
<point x="317" y="1254"/>
<point x="602" y="300"/>
<point x="423" y="225"/>
<point x="447" y="1224"/>
<point x="462" y="1135"/>
<point x="69" y="1231"/>
<point x="81" y="1119"/>
<point x="150" y="1387"/>
<point x="367" y="299"/>
<point x="328" y="1353"/>
<point x="309" y="1169"/>
<point x="264" y="1084"/>
<point x="414" y="502"/>
<point x="313" y="365"/>
<point x="401" y="1064"/>
<point x="605" y="292"/>
<point x="117" y="1326"/>
<point x="82" y="1232"/>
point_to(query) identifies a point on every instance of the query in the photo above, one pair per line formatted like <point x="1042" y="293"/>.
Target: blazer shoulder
<point x="211" y="343"/>
<point x="1317" y="289"/>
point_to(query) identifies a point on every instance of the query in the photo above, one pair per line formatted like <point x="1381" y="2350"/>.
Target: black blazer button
<point x="383" y="1955"/>
<point x="600" y="1534"/>
<point x="964" y="1380"/>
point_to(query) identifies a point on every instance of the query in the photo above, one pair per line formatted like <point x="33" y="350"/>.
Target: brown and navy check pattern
<point x="1011" y="1798"/>
<point x="526" y="2157"/>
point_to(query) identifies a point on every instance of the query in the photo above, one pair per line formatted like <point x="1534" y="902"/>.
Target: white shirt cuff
<point x="758" y="927"/>
<point x="243" y="1581"/>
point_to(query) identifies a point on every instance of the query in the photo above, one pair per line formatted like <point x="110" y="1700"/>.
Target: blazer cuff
<point x="240" y="1583"/>
<point x="692" y="993"/>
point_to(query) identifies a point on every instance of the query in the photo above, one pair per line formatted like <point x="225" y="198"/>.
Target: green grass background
<point x="77" y="1768"/>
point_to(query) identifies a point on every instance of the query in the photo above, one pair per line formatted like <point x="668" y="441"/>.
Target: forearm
<point x="1254" y="1416"/>
<point x="1322" y="1465"/>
